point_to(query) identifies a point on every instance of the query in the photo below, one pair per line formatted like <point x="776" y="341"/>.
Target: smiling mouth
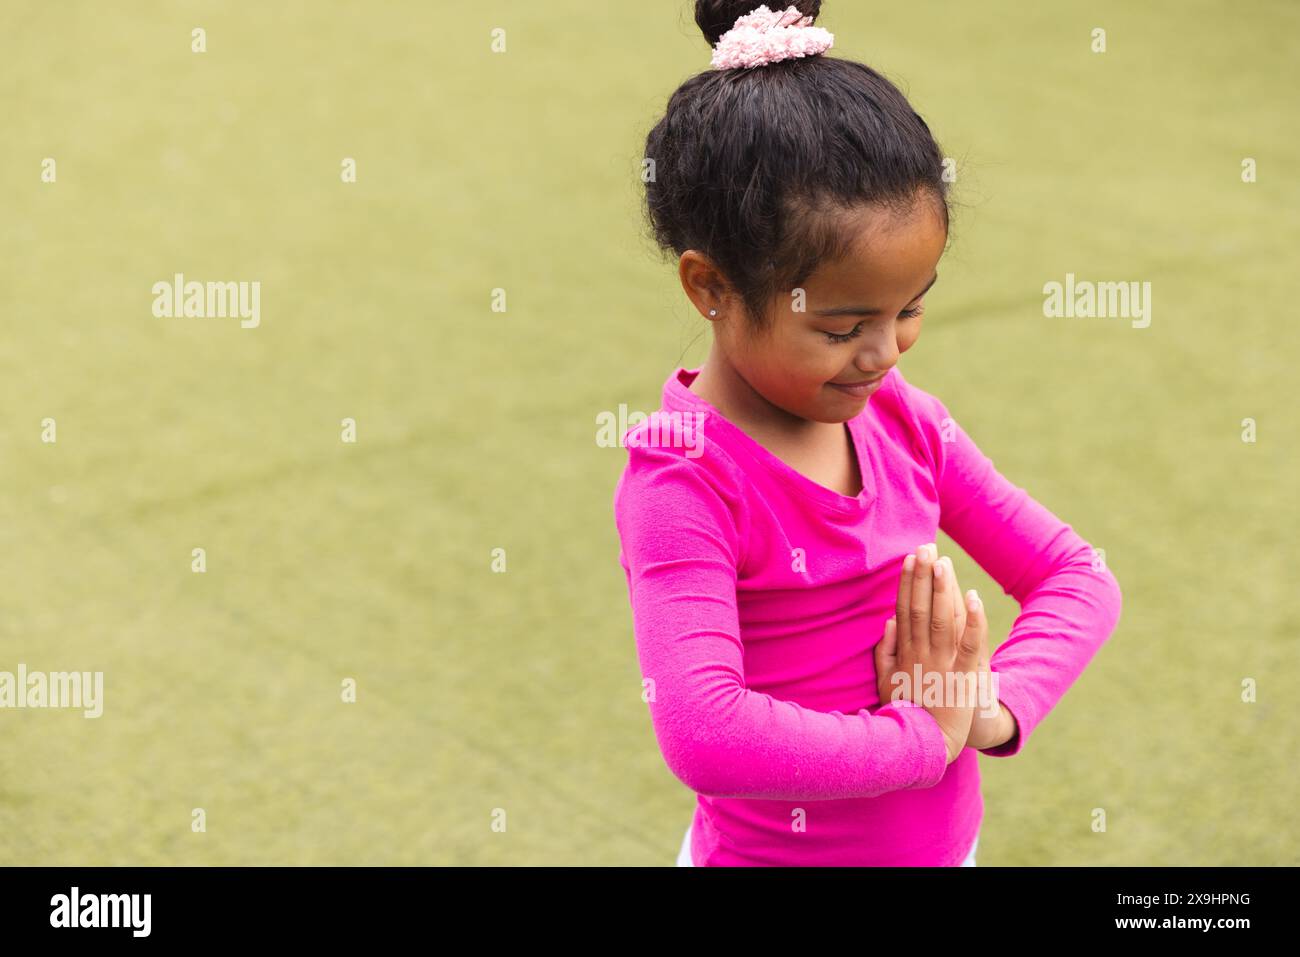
<point x="855" y="385"/>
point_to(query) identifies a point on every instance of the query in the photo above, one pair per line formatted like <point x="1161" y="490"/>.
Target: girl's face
<point x="855" y="318"/>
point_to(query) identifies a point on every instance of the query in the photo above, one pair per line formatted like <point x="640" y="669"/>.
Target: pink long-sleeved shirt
<point x="758" y="595"/>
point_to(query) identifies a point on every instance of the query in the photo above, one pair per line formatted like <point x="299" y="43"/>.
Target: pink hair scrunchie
<point x="765" y="36"/>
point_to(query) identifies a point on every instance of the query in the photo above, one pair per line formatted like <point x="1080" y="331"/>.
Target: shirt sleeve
<point x="681" y="547"/>
<point x="1070" y="601"/>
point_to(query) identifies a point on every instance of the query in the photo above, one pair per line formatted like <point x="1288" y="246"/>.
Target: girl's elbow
<point x="704" y="769"/>
<point x="702" y="775"/>
<point x="1114" y="597"/>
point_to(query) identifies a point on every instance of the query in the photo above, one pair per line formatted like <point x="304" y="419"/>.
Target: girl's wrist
<point x="992" y="733"/>
<point x="1006" y="728"/>
<point x="1008" y="722"/>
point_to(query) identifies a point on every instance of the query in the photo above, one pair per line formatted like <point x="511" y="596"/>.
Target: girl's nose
<point x="878" y="357"/>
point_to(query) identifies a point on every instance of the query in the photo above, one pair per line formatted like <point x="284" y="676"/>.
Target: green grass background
<point x="476" y="429"/>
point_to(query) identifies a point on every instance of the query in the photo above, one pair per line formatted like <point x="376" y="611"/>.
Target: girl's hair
<point x="757" y="167"/>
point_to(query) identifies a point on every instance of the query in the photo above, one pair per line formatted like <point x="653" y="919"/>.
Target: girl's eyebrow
<point x="863" y="310"/>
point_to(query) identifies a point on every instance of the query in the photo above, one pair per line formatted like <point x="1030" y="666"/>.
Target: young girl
<point x="777" y="515"/>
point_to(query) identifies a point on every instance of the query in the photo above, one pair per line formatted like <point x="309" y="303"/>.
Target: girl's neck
<point x="720" y="385"/>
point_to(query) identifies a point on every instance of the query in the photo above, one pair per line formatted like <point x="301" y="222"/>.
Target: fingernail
<point x="909" y="563"/>
<point x="973" y="600"/>
<point x="938" y="569"/>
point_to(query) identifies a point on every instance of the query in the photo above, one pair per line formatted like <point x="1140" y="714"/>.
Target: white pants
<point x="684" y="855"/>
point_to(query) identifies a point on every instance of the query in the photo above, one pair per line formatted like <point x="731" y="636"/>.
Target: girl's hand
<point x="988" y="727"/>
<point x="987" y="724"/>
<point x="922" y="638"/>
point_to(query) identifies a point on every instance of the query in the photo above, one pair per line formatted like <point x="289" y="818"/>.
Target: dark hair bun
<point x="758" y="169"/>
<point x="716" y="17"/>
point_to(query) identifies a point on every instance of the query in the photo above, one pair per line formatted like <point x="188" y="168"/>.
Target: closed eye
<point x="857" y="330"/>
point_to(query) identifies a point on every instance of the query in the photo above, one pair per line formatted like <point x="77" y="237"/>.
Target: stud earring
<point x="713" y="312"/>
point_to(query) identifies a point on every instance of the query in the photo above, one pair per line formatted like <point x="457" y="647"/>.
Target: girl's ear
<point x="702" y="283"/>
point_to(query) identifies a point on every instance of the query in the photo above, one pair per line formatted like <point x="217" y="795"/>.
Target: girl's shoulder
<point x="672" y="446"/>
<point x="907" y="399"/>
<point x="680" y="487"/>
<point x="911" y="416"/>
